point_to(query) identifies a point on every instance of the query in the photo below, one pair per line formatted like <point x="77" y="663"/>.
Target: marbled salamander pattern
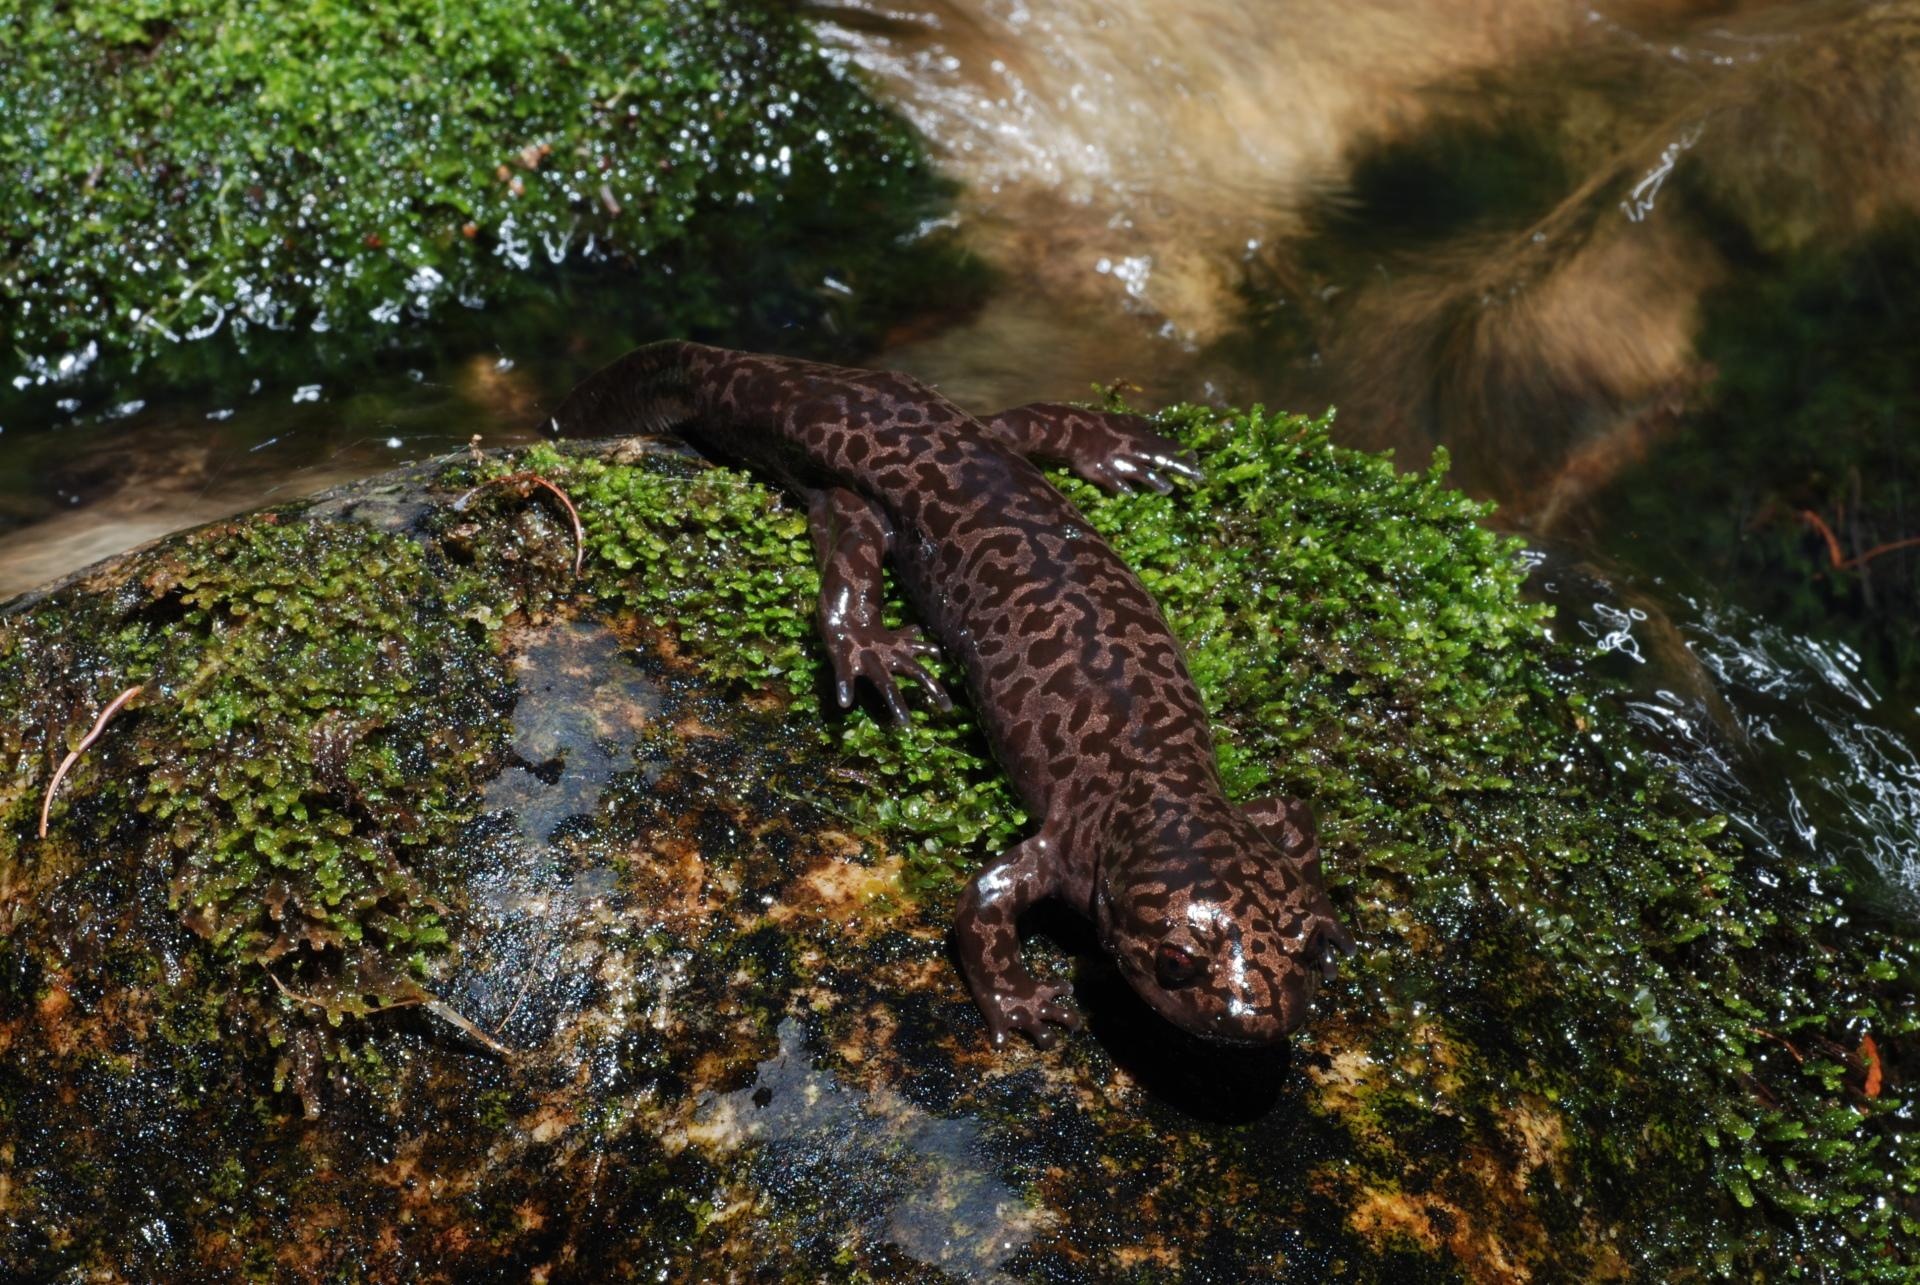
<point x="1215" y="913"/>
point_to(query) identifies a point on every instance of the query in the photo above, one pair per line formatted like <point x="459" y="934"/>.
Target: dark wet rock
<point x="435" y="915"/>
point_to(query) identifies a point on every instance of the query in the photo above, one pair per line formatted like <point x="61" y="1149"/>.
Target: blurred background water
<point x="1644" y="269"/>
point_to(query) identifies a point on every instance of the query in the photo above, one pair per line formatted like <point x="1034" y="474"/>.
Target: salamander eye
<point x="1175" y="967"/>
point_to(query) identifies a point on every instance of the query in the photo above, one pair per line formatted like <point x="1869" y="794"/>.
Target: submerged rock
<point x="433" y="913"/>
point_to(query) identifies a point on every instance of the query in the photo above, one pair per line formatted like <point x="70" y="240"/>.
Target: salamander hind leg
<point x="1114" y="452"/>
<point x="851" y="539"/>
<point x="987" y="936"/>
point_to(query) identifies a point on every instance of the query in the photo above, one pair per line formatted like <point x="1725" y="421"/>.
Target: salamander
<point x="1215" y="913"/>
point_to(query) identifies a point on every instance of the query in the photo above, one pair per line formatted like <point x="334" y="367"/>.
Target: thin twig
<point x="319" y="1003"/>
<point x="448" y="1014"/>
<point x="99" y="725"/>
<point x="438" y="1007"/>
<point x="579" y="532"/>
<point x="1798" y="1056"/>
<point x="526" y="987"/>
<point x="1819" y="524"/>
<point x="1840" y="561"/>
<point x="1889" y="547"/>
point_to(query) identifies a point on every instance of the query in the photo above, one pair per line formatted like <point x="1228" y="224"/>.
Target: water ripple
<point x="1783" y="732"/>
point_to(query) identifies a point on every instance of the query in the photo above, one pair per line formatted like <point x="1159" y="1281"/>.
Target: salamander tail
<point x="646" y="391"/>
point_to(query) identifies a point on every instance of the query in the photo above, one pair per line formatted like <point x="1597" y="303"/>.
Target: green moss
<point x="684" y="543"/>
<point x="319" y="700"/>
<point x="185" y="169"/>
<point x="1523" y="881"/>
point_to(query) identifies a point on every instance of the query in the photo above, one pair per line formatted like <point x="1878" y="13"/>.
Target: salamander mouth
<point x="1246" y="1041"/>
<point x="1219" y="1028"/>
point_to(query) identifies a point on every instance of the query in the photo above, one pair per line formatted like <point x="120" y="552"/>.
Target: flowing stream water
<point x="1488" y="226"/>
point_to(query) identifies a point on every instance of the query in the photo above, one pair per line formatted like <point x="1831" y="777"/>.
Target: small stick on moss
<point x="438" y="1007"/>
<point x="454" y="1018"/>
<point x="1782" y="1041"/>
<point x="73" y="755"/>
<point x="534" y="479"/>
<point x="319" y="1003"/>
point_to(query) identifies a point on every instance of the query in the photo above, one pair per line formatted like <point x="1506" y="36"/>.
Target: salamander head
<point x="1224" y="935"/>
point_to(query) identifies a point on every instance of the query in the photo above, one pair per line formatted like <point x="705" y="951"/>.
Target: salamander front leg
<point x="1290" y="824"/>
<point x="1114" y="452"/>
<point x="986" y="933"/>
<point x="851" y="539"/>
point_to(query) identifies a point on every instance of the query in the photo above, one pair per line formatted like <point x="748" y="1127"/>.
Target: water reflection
<point x="1493" y="227"/>
<point x="1834" y="758"/>
<point x="131" y="471"/>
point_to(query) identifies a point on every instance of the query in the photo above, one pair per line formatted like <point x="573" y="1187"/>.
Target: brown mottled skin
<point x="1215" y="913"/>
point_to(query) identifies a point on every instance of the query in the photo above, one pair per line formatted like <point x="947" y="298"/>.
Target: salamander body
<point x="1214" y="913"/>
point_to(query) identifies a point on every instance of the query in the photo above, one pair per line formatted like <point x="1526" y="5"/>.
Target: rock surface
<point x="433" y="914"/>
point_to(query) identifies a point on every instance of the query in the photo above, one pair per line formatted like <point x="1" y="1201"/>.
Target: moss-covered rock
<point x="586" y="941"/>
<point x="182" y="170"/>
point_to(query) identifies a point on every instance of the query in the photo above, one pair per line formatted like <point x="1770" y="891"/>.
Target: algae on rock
<point x="1587" y="1035"/>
